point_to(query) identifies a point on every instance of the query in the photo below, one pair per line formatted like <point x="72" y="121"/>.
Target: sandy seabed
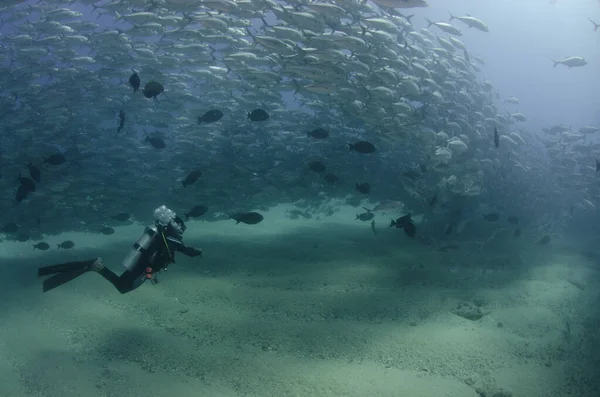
<point x="305" y="308"/>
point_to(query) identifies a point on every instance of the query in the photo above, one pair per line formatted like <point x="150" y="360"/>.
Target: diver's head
<point x="168" y="222"/>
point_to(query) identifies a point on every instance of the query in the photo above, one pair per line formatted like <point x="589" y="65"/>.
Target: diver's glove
<point x="190" y="251"/>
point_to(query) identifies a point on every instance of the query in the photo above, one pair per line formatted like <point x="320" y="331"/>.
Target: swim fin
<point x="64" y="267"/>
<point x="65" y="272"/>
<point x="61" y="278"/>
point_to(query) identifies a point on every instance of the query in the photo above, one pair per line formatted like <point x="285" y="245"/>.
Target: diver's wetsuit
<point x="150" y="260"/>
<point x="155" y="258"/>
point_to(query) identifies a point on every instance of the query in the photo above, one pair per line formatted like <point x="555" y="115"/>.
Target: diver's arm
<point x="178" y="245"/>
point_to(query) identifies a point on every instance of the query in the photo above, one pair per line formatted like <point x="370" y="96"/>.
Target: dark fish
<point x="544" y="240"/>
<point x="433" y="200"/>
<point x="491" y="217"/>
<point x="364" y="188"/>
<point x="22" y="193"/>
<point x="412" y="174"/>
<point x="387" y="205"/>
<point x="517" y="232"/>
<point x="597" y="165"/>
<point x="55" y="159"/>
<point x="211" y="116"/>
<point x="365" y="216"/>
<point x="362" y="147"/>
<point x="449" y="229"/>
<point x="249" y="218"/>
<point x="41" y="246"/>
<point x="121" y="121"/>
<point x="496" y="137"/>
<point x="191" y="178"/>
<point x="405" y="222"/>
<point x="157" y="143"/>
<point x="373" y="227"/>
<point x="153" y="89"/>
<point x="331" y="178"/>
<point x="401" y="222"/>
<point x="28" y="183"/>
<point x="319" y="133"/>
<point x="35" y="173"/>
<point x="197" y="211"/>
<point x="134" y="81"/>
<point x="66" y="244"/>
<point x="317" y="166"/>
<point x="258" y="115"/>
<point x="107" y="230"/>
<point x="121" y="216"/>
<point x="22" y="237"/>
<point x="513" y="220"/>
<point x="410" y="229"/>
<point x="10" y="228"/>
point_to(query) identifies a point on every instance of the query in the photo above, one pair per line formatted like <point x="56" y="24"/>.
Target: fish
<point x="157" y="143"/>
<point x="513" y="220"/>
<point x="121" y="216"/>
<point x="196" y="212"/>
<point x="27" y="183"/>
<point x="55" y="159"/>
<point x="361" y="147"/>
<point x="68" y="244"/>
<point x="211" y="116"/>
<point x="258" y="115"/>
<point x="571" y="62"/>
<point x="249" y="218"/>
<point x="364" y="188"/>
<point x="544" y="240"/>
<point x="597" y="165"/>
<point x="373" y="227"/>
<point x="595" y="25"/>
<point x="153" y="89"/>
<point x="471" y="22"/>
<point x="22" y="193"/>
<point x="10" y="228"/>
<point x="35" y="173"/>
<point x="317" y="166"/>
<point x="496" y="137"/>
<point x="433" y="201"/>
<point x="446" y="27"/>
<point x="365" y="216"/>
<point x="401" y="3"/>
<point x="517" y="232"/>
<point x="387" y="205"/>
<point x="491" y="217"/>
<point x="512" y="100"/>
<point x="121" y="121"/>
<point x="134" y="81"/>
<point x="41" y="246"/>
<point x="331" y="178"/>
<point x="589" y="129"/>
<point x="192" y="177"/>
<point x="107" y="230"/>
<point x="318" y="133"/>
<point x="405" y="222"/>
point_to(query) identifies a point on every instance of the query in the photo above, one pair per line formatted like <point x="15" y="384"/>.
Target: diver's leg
<point x="123" y="283"/>
<point x="65" y="267"/>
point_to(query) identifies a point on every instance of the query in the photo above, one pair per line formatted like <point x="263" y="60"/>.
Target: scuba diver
<point x="154" y="251"/>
